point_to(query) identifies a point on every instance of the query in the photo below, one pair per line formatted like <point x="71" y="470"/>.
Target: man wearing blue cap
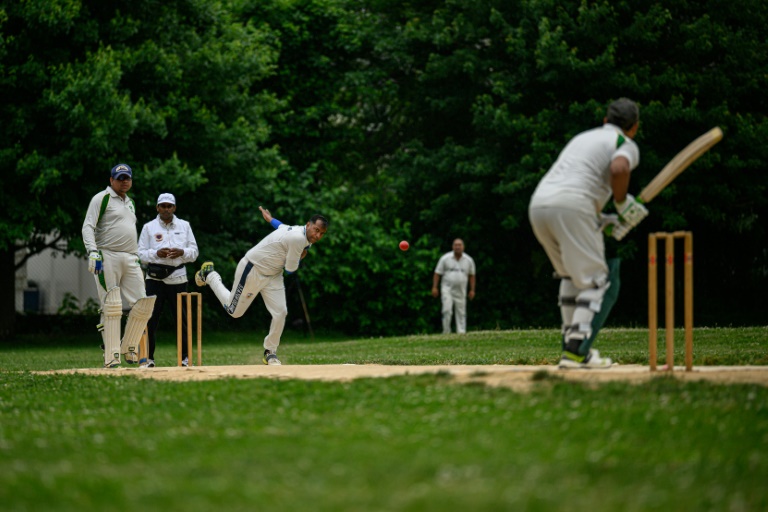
<point x="110" y="237"/>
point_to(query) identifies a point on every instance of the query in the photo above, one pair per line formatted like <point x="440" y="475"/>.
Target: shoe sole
<point x="582" y="366"/>
<point x="199" y="279"/>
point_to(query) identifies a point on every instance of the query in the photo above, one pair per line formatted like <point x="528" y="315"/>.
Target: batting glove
<point x="608" y="221"/>
<point x="620" y="230"/>
<point x="95" y="263"/>
<point x="631" y="211"/>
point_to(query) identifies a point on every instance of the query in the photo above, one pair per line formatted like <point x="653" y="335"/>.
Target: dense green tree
<point x="332" y="136"/>
<point x="425" y="121"/>
<point x="171" y="88"/>
<point x="483" y="95"/>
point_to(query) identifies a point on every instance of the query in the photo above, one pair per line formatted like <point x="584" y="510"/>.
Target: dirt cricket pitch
<point x="519" y="378"/>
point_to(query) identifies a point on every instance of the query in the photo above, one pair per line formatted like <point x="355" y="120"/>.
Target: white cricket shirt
<point x="580" y="178"/>
<point x="116" y="230"/>
<point x="455" y="271"/>
<point x="279" y="250"/>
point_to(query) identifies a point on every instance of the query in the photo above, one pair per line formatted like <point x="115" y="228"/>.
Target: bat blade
<point x="680" y="163"/>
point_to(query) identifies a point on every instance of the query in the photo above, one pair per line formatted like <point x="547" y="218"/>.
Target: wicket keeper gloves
<point x="631" y="212"/>
<point x="95" y="263"/>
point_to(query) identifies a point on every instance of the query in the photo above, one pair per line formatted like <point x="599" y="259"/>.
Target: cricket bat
<point x="680" y="163"/>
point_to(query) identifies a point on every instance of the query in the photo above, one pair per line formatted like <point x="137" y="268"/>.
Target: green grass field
<point x="415" y="443"/>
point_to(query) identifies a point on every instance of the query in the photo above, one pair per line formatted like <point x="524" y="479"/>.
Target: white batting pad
<point x="112" y="311"/>
<point x="137" y="322"/>
<point x="567" y="301"/>
<point x="588" y="303"/>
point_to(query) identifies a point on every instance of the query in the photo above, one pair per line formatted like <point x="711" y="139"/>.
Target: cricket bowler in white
<point x="260" y="271"/>
<point x="111" y="239"/>
<point x="565" y="212"/>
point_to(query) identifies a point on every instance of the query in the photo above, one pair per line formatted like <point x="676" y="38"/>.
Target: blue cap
<point x="122" y="170"/>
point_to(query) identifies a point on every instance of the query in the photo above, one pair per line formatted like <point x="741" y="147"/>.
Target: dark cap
<point x="122" y="170"/>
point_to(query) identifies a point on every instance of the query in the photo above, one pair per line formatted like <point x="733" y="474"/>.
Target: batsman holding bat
<point x="109" y="234"/>
<point x="565" y="213"/>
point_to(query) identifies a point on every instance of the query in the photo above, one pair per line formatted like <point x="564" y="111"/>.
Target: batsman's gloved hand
<point x="611" y="225"/>
<point x="95" y="263"/>
<point x="620" y="230"/>
<point x="608" y="221"/>
<point x="631" y="211"/>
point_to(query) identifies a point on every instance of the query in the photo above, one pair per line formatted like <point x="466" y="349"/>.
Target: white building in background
<point x="43" y="282"/>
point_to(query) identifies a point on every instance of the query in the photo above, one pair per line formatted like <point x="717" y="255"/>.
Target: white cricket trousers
<point x="247" y="285"/>
<point x="574" y="244"/>
<point x="454" y="298"/>
<point x="121" y="269"/>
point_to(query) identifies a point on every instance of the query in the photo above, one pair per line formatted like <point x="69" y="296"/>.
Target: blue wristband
<point x="275" y="223"/>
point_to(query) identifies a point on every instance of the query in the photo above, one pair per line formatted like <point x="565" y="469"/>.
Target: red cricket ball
<point x="404" y="245"/>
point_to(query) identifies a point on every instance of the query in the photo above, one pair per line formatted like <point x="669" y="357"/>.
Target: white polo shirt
<point x="580" y="178"/>
<point x="453" y="271"/>
<point x="281" y="249"/>
<point x="110" y="224"/>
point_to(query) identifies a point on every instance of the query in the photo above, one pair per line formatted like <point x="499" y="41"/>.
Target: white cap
<point x="166" y="198"/>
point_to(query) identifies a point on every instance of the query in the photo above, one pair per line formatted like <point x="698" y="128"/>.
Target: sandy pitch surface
<point x="509" y="376"/>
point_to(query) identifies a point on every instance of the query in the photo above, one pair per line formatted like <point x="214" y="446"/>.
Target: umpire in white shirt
<point x="166" y="243"/>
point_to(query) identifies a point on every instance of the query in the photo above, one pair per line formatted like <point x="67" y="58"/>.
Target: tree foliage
<point x="475" y="100"/>
<point x="428" y="121"/>
<point x="170" y="88"/>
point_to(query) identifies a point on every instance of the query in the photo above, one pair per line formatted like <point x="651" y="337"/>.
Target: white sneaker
<point x="594" y="360"/>
<point x="147" y="363"/>
<point x="185" y="361"/>
<point x="271" y="359"/>
<point x="591" y="360"/>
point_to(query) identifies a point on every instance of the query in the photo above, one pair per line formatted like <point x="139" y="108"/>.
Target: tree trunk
<point x="7" y="293"/>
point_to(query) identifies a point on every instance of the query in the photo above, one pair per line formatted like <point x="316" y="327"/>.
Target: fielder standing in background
<point x="566" y="215"/>
<point x="109" y="234"/>
<point x="260" y="271"/>
<point x="166" y="243"/>
<point x="457" y="269"/>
